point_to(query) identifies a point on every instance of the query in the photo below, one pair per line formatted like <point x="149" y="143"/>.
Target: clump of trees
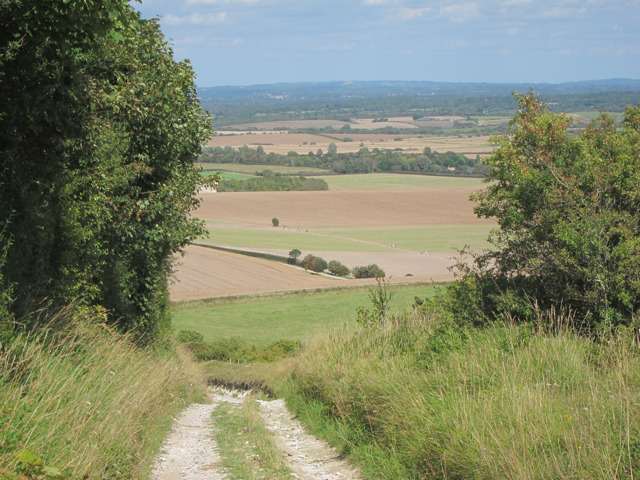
<point x="100" y="131"/>
<point x="313" y="263"/>
<point x="363" y="161"/>
<point x="337" y="268"/>
<point x="368" y="271"/>
<point x="275" y="183"/>
<point x="568" y="211"/>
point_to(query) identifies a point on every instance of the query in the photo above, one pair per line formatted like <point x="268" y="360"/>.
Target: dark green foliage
<point x="368" y="271"/>
<point x="363" y="161"/>
<point x="275" y="222"/>
<point x="569" y="222"/>
<point x="99" y="133"/>
<point x="337" y="268"/>
<point x="293" y="256"/>
<point x="313" y="263"/>
<point x="273" y="184"/>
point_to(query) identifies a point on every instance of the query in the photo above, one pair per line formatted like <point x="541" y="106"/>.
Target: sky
<point x="250" y="42"/>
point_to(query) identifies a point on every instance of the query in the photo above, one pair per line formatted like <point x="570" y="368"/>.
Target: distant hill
<point x="310" y="91"/>
<point x="233" y="105"/>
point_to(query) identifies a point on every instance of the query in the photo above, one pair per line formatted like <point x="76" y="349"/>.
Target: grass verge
<point x="88" y="402"/>
<point x="425" y="398"/>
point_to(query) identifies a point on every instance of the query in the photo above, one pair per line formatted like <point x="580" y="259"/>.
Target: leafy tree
<point x="568" y="214"/>
<point x="99" y="133"/>
<point x="313" y="263"/>
<point x="368" y="271"/>
<point x="275" y="222"/>
<point x="293" y="255"/>
<point x="333" y="149"/>
<point x="318" y="265"/>
<point x="337" y="268"/>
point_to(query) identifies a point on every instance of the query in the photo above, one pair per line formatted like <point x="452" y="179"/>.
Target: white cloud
<point x="562" y="12"/>
<point x="461" y="12"/>
<point x="219" y="2"/>
<point x="411" y="13"/>
<point x="378" y="2"/>
<point x="509" y="3"/>
<point x="195" y="19"/>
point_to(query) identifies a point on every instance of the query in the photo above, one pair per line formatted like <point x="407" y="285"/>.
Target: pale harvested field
<point x="283" y="143"/>
<point x="342" y="208"/>
<point x="208" y="273"/>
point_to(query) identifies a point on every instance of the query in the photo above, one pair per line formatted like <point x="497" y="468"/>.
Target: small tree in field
<point x="293" y="256"/>
<point x="338" y="268"/>
<point x="275" y="222"/>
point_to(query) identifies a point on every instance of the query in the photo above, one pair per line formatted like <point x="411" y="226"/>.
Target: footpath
<point x="190" y="452"/>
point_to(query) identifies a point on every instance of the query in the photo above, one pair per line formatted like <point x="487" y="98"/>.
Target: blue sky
<point x="248" y="42"/>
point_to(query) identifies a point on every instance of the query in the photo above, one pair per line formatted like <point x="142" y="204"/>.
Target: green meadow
<point x="439" y="238"/>
<point x="293" y="316"/>
<point x="388" y="181"/>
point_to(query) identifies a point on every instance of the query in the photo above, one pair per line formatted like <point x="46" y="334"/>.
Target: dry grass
<point x="87" y="400"/>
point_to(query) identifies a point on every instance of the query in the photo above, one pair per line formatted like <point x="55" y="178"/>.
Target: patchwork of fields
<point x="278" y="141"/>
<point x="409" y="226"/>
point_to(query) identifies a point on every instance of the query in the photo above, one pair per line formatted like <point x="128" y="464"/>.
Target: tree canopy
<point x="100" y="130"/>
<point x="568" y="211"/>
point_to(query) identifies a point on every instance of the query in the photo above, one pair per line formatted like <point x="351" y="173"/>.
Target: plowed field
<point x="207" y="273"/>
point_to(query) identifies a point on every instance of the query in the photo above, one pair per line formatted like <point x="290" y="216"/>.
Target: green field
<point x="295" y="316"/>
<point x="388" y="181"/>
<point x="252" y="169"/>
<point x="438" y="238"/>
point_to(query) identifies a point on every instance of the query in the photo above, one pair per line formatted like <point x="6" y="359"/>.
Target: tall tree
<point x="568" y="210"/>
<point x="100" y="130"/>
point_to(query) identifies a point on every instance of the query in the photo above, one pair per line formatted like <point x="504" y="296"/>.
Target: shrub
<point x="318" y="265"/>
<point x="275" y="222"/>
<point x="337" y="268"/>
<point x="369" y="271"/>
<point x="189" y="336"/>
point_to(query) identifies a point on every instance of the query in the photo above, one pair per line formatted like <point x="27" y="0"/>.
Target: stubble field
<point x="411" y="232"/>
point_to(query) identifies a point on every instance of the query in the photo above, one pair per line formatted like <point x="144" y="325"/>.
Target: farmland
<point x="283" y="142"/>
<point x="411" y="226"/>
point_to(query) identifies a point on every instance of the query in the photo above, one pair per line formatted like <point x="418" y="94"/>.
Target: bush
<point x="369" y="271"/>
<point x="318" y="265"/>
<point x="189" y="336"/>
<point x="337" y="268"/>
<point x="275" y="222"/>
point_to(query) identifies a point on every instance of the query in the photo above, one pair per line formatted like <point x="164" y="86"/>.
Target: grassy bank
<point x="86" y="401"/>
<point x="425" y="398"/>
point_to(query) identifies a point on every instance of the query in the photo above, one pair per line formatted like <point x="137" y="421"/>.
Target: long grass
<point x="87" y="401"/>
<point x="424" y="398"/>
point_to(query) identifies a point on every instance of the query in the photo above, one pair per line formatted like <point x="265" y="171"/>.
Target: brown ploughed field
<point x="206" y="273"/>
